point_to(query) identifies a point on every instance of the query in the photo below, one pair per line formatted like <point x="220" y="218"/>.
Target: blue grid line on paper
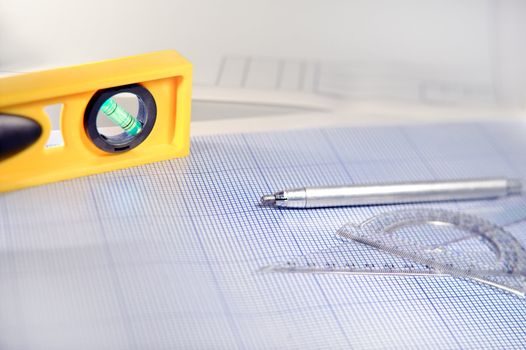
<point x="238" y="340"/>
<point x="168" y="255"/>
<point x="116" y="286"/>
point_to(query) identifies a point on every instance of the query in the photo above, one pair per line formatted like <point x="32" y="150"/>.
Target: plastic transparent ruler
<point x="426" y="242"/>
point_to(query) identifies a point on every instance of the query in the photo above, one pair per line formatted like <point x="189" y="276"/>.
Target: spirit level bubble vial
<point x="99" y="133"/>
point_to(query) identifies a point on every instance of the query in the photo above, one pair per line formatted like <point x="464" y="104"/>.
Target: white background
<point x="483" y="41"/>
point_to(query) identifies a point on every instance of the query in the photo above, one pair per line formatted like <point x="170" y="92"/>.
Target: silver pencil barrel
<point x="395" y="193"/>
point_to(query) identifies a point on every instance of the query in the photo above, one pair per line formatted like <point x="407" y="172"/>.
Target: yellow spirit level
<point x="160" y="128"/>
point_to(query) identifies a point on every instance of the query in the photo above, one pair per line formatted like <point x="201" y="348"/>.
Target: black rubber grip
<point x="16" y="134"/>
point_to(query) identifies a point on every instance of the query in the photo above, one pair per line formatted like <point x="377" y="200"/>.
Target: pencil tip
<point x="268" y="200"/>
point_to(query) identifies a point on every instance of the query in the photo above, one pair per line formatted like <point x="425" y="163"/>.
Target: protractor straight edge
<point x="352" y="271"/>
<point x="328" y="268"/>
<point x="349" y="271"/>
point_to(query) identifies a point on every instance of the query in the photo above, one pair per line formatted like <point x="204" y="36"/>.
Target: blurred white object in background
<point x="465" y="53"/>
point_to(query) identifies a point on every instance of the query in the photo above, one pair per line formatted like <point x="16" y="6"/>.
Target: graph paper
<point x="168" y="255"/>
